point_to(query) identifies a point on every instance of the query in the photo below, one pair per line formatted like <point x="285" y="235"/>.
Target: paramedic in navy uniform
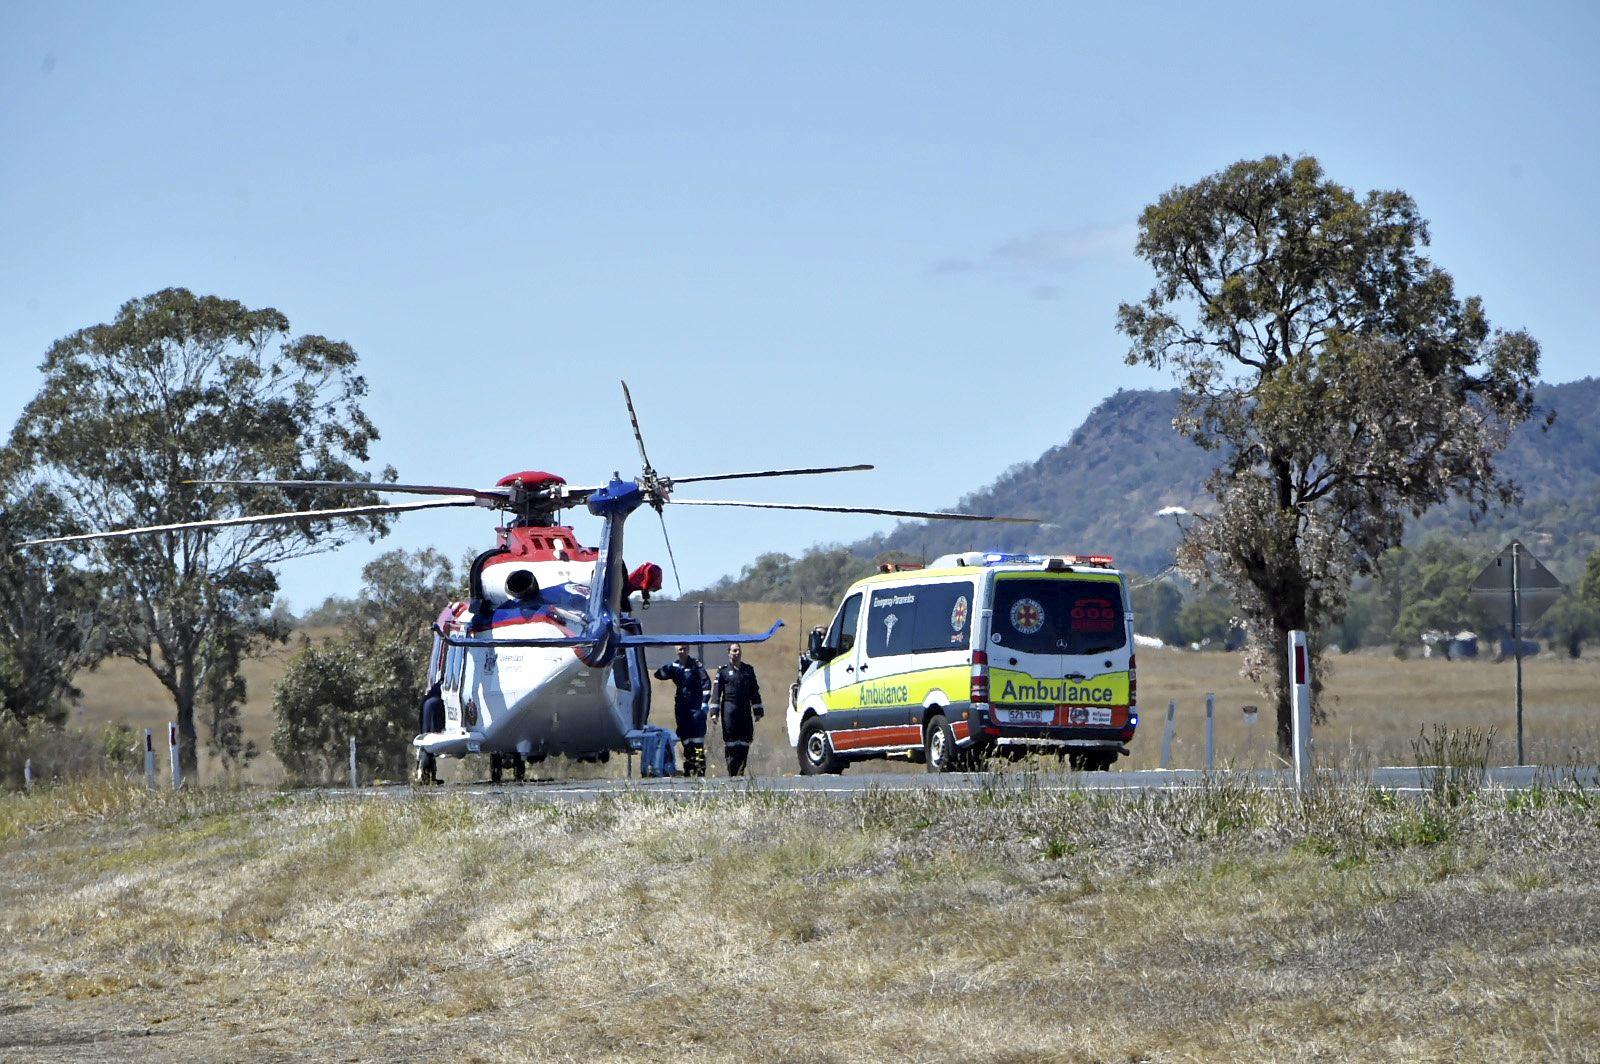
<point x="736" y="697"/>
<point x="689" y="704"/>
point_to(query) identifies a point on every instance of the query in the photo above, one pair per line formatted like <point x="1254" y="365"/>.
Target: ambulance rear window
<point x="1058" y="616"/>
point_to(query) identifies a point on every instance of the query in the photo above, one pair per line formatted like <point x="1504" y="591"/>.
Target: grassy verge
<point x="1015" y="924"/>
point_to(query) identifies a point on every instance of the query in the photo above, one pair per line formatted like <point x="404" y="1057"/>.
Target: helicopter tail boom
<point x="698" y="639"/>
<point x="695" y="639"/>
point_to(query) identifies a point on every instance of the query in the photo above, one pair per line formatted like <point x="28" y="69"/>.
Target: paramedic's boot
<point x="694" y="758"/>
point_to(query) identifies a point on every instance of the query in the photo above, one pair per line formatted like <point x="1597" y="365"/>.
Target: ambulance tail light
<point x="1133" y="681"/>
<point x="980" y="679"/>
<point x="980" y="694"/>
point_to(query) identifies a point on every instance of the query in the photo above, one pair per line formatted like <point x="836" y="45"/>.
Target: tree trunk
<point x="1291" y="617"/>
<point x="1285" y="712"/>
<point x="188" y="737"/>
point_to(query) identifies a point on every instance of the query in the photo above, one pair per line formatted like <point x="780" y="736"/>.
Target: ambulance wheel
<point x="1101" y="762"/>
<point x="816" y="755"/>
<point x="939" y="746"/>
<point x="519" y="767"/>
<point x="497" y="768"/>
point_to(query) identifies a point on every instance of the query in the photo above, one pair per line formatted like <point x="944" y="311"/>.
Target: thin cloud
<point x="1061" y="249"/>
<point x="1039" y="258"/>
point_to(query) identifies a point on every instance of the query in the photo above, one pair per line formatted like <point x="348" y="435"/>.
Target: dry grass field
<point x="1378" y="703"/>
<point x="1011" y="925"/>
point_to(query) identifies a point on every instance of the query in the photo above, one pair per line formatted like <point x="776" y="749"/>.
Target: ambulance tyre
<point x="939" y="746"/>
<point x="816" y="755"/>
<point x="1101" y="762"/>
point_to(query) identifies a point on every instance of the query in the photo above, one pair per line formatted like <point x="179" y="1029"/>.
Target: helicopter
<point x="545" y="656"/>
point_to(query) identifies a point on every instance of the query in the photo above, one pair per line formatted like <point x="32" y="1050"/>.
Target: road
<point x="1400" y="779"/>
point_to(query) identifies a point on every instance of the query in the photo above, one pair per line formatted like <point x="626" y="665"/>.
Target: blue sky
<point x="835" y="233"/>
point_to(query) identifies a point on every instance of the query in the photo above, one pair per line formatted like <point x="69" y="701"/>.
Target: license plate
<point x="1030" y="716"/>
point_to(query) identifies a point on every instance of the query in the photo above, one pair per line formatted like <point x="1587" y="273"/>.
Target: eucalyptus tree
<point x="1343" y="383"/>
<point x="366" y="681"/>
<point x="134" y="416"/>
<point x="49" y="610"/>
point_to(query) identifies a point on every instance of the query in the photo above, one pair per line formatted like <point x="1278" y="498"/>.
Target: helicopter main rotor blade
<point x="771" y="473"/>
<point x="676" y="579"/>
<point x="638" y="437"/>
<point x="260" y="519"/>
<point x="928" y="514"/>
<point x="498" y="494"/>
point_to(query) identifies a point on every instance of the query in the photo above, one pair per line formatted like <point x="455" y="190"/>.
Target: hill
<point x="1100" y="491"/>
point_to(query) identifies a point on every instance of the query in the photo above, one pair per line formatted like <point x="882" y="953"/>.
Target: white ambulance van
<point x="975" y="655"/>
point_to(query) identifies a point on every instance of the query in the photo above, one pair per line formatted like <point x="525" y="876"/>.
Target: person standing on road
<point x="689" y="706"/>
<point x="430" y="718"/>
<point x="736" y="698"/>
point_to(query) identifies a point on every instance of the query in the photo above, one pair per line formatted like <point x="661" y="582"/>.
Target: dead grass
<point x="1012" y="924"/>
<point x="1379" y="704"/>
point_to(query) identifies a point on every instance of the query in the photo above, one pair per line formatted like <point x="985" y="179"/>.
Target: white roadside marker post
<point x="1250" y="733"/>
<point x="352" y="762"/>
<point x="172" y="749"/>
<point x="1300" y="708"/>
<point x="150" y="758"/>
<point x="27" y="775"/>
<point x="1166" y="736"/>
<point x="1211" y="732"/>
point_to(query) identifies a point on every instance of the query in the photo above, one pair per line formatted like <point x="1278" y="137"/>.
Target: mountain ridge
<point x="1100" y="490"/>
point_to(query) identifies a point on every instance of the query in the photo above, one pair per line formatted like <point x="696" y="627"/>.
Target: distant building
<point x="1455" y="647"/>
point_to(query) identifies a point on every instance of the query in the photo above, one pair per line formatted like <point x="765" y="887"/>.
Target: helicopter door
<point x="632" y="677"/>
<point x="634" y="683"/>
<point x="450" y="685"/>
<point x="842" y="672"/>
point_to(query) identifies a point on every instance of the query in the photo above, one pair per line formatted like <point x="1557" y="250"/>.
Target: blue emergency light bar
<point x="1003" y="558"/>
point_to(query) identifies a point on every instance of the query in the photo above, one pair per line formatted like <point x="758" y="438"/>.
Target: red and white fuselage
<point x="531" y="700"/>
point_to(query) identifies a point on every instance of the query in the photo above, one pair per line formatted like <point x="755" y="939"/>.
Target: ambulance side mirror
<point x="815" y="649"/>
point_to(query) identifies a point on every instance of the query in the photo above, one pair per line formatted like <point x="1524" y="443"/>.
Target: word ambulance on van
<point x="976" y="655"/>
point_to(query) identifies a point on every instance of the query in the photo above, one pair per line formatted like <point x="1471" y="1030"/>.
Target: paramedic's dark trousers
<point x="738" y="751"/>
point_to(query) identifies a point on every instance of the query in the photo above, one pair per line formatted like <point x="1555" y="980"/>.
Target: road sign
<point x="1527" y="589"/>
<point x="1516" y="569"/>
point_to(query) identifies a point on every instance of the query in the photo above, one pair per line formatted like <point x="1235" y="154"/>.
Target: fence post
<point x="172" y="748"/>
<point x="1211" y="731"/>
<point x="1300" y="705"/>
<point x="150" y="758"/>
<point x="27" y="775"/>
<point x="352" y="762"/>
<point x="1166" y="736"/>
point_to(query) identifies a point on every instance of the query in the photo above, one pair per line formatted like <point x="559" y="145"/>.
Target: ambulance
<point x="977" y="655"/>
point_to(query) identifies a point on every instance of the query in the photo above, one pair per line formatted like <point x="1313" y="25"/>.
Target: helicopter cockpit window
<point x="842" y="635"/>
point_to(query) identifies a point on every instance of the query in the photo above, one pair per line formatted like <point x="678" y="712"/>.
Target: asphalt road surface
<point x="1401" y="779"/>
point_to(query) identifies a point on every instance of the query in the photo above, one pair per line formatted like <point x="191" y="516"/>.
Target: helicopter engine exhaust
<point x="522" y="584"/>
